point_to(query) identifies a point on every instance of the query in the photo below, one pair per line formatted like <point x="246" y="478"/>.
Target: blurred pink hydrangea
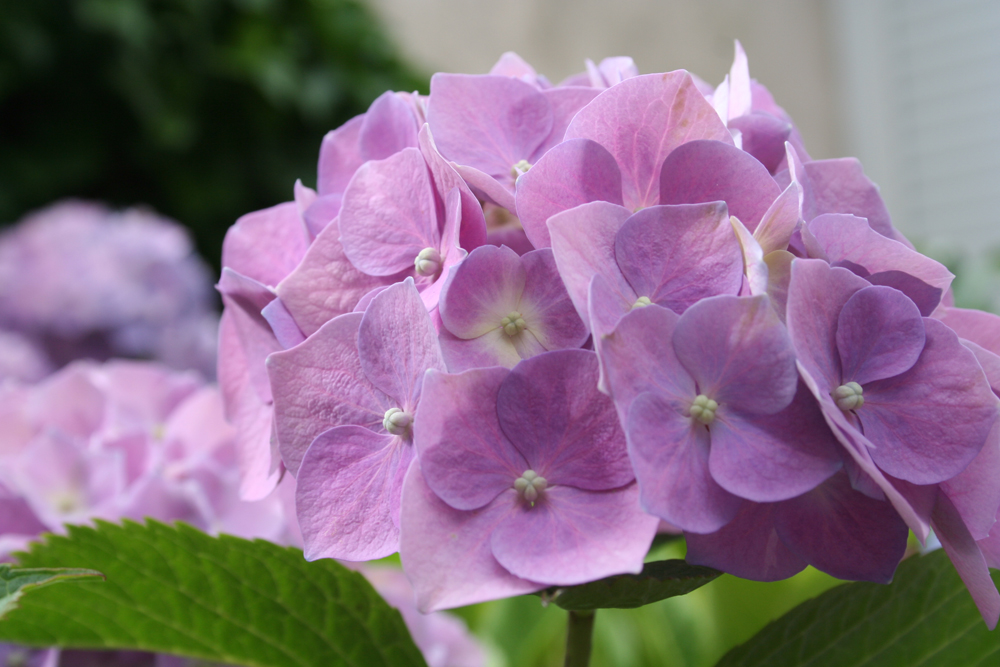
<point x="82" y="281"/>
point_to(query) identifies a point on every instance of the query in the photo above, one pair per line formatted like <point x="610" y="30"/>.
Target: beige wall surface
<point x="786" y="40"/>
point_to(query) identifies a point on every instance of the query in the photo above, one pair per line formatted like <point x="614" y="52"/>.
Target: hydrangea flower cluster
<point x="517" y="326"/>
<point x="130" y="439"/>
<point x="78" y="280"/>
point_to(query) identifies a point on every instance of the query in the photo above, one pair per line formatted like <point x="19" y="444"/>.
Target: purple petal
<point x="845" y="240"/>
<point x="389" y="127"/>
<point x="980" y="327"/>
<point x="481" y="291"/>
<point x="572" y="536"/>
<point x="566" y="102"/>
<point x="487" y="122"/>
<point x="843" y="532"/>
<point x="764" y="137"/>
<point x="780" y="220"/>
<point x="704" y="171"/>
<point x="678" y="255"/>
<point x="974" y="491"/>
<point x="465" y="456"/>
<point x="639" y="357"/>
<point x="640" y="122"/>
<point x="670" y="456"/>
<point x="446" y="178"/>
<point x="325" y="284"/>
<point x="339" y="157"/>
<point x="606" y="307"/>
<point x="389" y="214"/>
<point x="320" y="384"/>
<point x="583" y="245"/>
<point x="746" y="547"/>
<point x="266" y="245"/>
<point x="488" y="188"/>
<point x="397" y="343"/>
<point x="512" y="237"/>
<point x="879" y="334"/>
<point x="245" y="298"/>
<point x="840" y="186"/>
<point x="779" y="275"/>
<point x="928" y="423"/>
<point x="739" y="353"/>
<point x="321" y="213"/>
<point x="567" y="431"/>
<point x="446" y="552"/>
<point x="968" y="560"/>
<point x="546" y="306"/>
<point x="773" y="457"/>
<point x="494" y="348"/>
<point x="816" y="295"/>
<point x="282" y="324"/>
<point x="345" y="493"/>
<point x="577" y="171"/>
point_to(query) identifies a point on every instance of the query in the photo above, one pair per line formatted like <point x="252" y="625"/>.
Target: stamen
<point x="530" y="485"/>
<point x="513" y="324"/>
<point x="849" y="396"/>
<point x="642" y="302"/>
<point x="519" y="168"/>
<point x="397" y="422"/>
<point x="428" y="262"/>
<point x="703" y="409"/>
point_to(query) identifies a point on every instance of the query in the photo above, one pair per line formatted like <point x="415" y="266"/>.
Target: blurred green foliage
<point x="202" y="109"/>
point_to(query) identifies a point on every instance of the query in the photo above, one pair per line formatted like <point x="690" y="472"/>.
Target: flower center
<point x="703" y="409"/>
<point x="849" y="396"/>
<point x="642" y="302"/>
<point x="519" y="168"/>
<point x="397" y="422"/>
<point x="513" y="324"/>
<point x="530" y="485"/>
<point x="428" y="262"/>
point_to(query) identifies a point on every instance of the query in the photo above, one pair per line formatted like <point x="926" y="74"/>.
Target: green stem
<point x="579" y="632"/>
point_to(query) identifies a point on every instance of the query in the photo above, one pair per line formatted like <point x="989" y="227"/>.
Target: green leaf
<point x="173" y="589"/>
<point x="925" y="617"/>
<point x="657" y="581"/>
<point x="16" y="581"/>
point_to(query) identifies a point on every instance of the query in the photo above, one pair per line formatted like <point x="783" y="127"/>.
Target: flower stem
<point x="579" y="632"/>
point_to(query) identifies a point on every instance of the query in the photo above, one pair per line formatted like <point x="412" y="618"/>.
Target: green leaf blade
<point x="177" y="590"/>
<point x="925" y="617"/>
<point x="658" y="580"/>
<point x="16" y="581"/>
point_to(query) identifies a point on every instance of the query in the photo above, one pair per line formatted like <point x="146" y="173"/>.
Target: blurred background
<point x="203" y="110"/>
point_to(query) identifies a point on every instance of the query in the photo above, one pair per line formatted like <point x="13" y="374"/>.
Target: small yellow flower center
<point x="703" y="409"/>
<point x="642" y="302"/>
<point x="849" y="396"/>
<point x="519" y="168"/>
<point x="513" y="324"/>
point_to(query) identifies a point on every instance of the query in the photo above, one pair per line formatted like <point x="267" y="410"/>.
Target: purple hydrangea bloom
<point x="344" y="405"/>
<point x="498" y="308"/>
<point x="713" y="410"/>
<point x="523" y="482"/>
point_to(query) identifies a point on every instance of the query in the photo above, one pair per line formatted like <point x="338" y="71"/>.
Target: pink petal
<point x="980" y="327"/>
<point x="640" y="122"/>
<point x="481" y="291"/>
<point x="572" y="536"/>
<point x="446" y="178"/>
<point x="780" y="220"/>
<point x="388" y="128"/>
<point x="840" y="186"/>
<point x="266" y="245"/>
<point x="339" y="157"/>
<point x="879" y="334"/>
<point x="546" y="306"/>
<point x="974" y="492"/>
<point x="493" y="348"/>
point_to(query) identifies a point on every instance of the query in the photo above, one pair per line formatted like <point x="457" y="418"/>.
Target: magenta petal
<point x="339" y="157"/>
<point x="389" y="214"/>
<point x="446" y="552"/>
<point x="244" y="299"/>
<point x="397" y="343"/>
<point x="446" y="178"/>
<point x="575" y="172"/>
<point x="928" y="423"/>
<point x="974" y="492"/>
<point x="843" y="532"/>
<point x="325" y="284"/>
<point x="764" y="137"/>
<point x="572" y="536"/>
<point x="567" y="431"/>
<point x="583" y="245"/>
<point x="879" y="334"/>
<point x="670" y="456"/>
<point x="780" y="220"/>
<point x="968" y="559"/>
<point x="566" y="102"/>
<point x="388" y="128"/>
<point x="678" y="255"/>
<point x="773" y="457"/>
<point x="494" y="348"/>
<point x="320" y="384"/>
<point x="639" y="356"/>
<point x="738" y="352"/>
<point x="980" y="327"/>
<point x="546" y="306"/>
<point x="641" y="121"/>
<point x="704" y="171"/>
<point x="747" y="547"/>
<point x="266" y="245"/>
<point x="816" y="295"/>
<point x="282" y="324"/>
<point x="344" y="494"/>
<point x="606" y="307"/>
<point x="850" y="241"/>
<point x="487" y="122"/>
<point x="840" y="186"/>
<point x="465" y="456"/>
<point x="481" y="291"/>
